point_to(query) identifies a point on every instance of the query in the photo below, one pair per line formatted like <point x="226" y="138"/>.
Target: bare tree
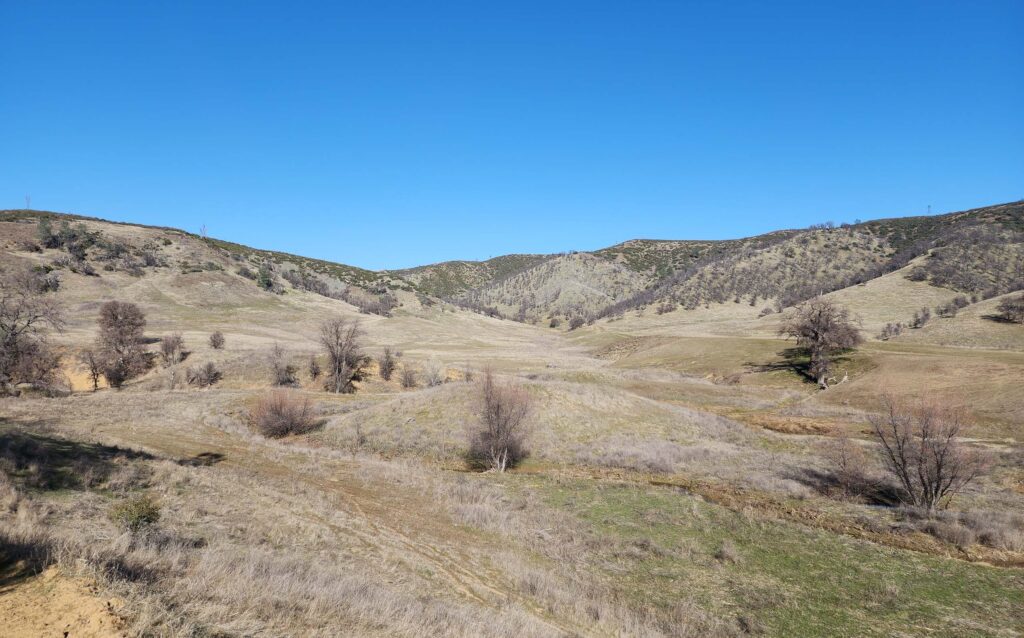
<point x="120" y="341"/>
<point x="217" y="340"/>
<point x="93" y="366"/>
<point x="172" y="349"/>
<point x="823" y="329"/>
<point x="27" y="314"/>
<point x="282" y="373"/>
<point x="499" y="440"/>
<point x="345" y="360"/>
<point x="921" y="449"/>
<point x="386" y="363"/>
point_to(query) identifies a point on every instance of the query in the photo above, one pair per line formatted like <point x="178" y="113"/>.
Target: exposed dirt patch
<point x="54" y="604"/>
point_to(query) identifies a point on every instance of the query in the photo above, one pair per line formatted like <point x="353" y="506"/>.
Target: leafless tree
<point x="921" y="449"/>
<point x="217" y="340"/>
<point x="499" y="440"/>
<point x="282" y="373"/>
<point x="345" y="360"/>
<point x="93" y="366"/>
<point x="823" y="329"/>
<point x="27" y="314"/>
<point x="172" y="349"/>
<point x="387" y="363"/>
<point x="120" y="341"/>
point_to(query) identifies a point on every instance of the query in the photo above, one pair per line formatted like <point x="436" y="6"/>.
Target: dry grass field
<point x="681" y="479"/>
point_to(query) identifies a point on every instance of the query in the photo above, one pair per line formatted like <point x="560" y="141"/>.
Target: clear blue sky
<point x="387" y="134"/>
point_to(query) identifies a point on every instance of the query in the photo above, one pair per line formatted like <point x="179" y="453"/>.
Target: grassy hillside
<point x="452" y="278"/>
<point x="575" y="284"/>
<point x="681" y="479"/>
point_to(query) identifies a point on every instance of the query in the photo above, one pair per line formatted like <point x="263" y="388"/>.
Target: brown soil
<point x="54" y="604"/>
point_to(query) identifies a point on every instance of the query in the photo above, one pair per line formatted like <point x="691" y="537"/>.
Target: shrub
<point x="135" y="513"/>
<point x="172" y="349"/>
<point x="280" y="413"/>
<point x="282" y="373"/>
<point x="891" y="330"/>
<point x="203" y="376"/>
<point x="314" y="368"/>
<point x="921" y="317"/>
<point x="93" y="367"/>
<point x="265" y="278"/>
<point x="408" y="377"/>
<point x="434" y="373"/>
<point x="727" y="552"/>
<point x="848" y="462"/>
<point x="120" y="341"/>
<point x="499" y="439"/>
<point x="217" y="340"/>
<point x="345" y="361"/>
<point x="1012" y="309"/>
<point x="386" y="364"/>
<point x="921" y="449"/>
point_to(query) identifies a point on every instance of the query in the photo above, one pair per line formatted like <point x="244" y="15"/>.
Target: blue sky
<point x="390" y="134"/>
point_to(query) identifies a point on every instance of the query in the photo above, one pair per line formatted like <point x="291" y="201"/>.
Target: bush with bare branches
<point x="282" y="412"/>
<point x="1012" y="309"/>
<point x="434" y="373"/>
<point x="120" y="341"/>
<point x="217" y="340"/>
<point x="922" y="450"/>
<point x="408" y="377"/>
<point x="386" y="363"/>
<point x="282" y="373"/>
<point x="93" y="366"/>
<point x="498" y="441"/>
<point x="204" y="376"/>
<point x="172" y="349"/>
<point x="345" y="360"/>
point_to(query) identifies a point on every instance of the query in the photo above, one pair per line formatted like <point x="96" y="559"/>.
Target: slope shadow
<point x="998" y="319"/>
<point x="797" y="361"/>
<point x="43" y="461"/>
<point x="826" y="483"/>
<point x="793" y="360"/>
